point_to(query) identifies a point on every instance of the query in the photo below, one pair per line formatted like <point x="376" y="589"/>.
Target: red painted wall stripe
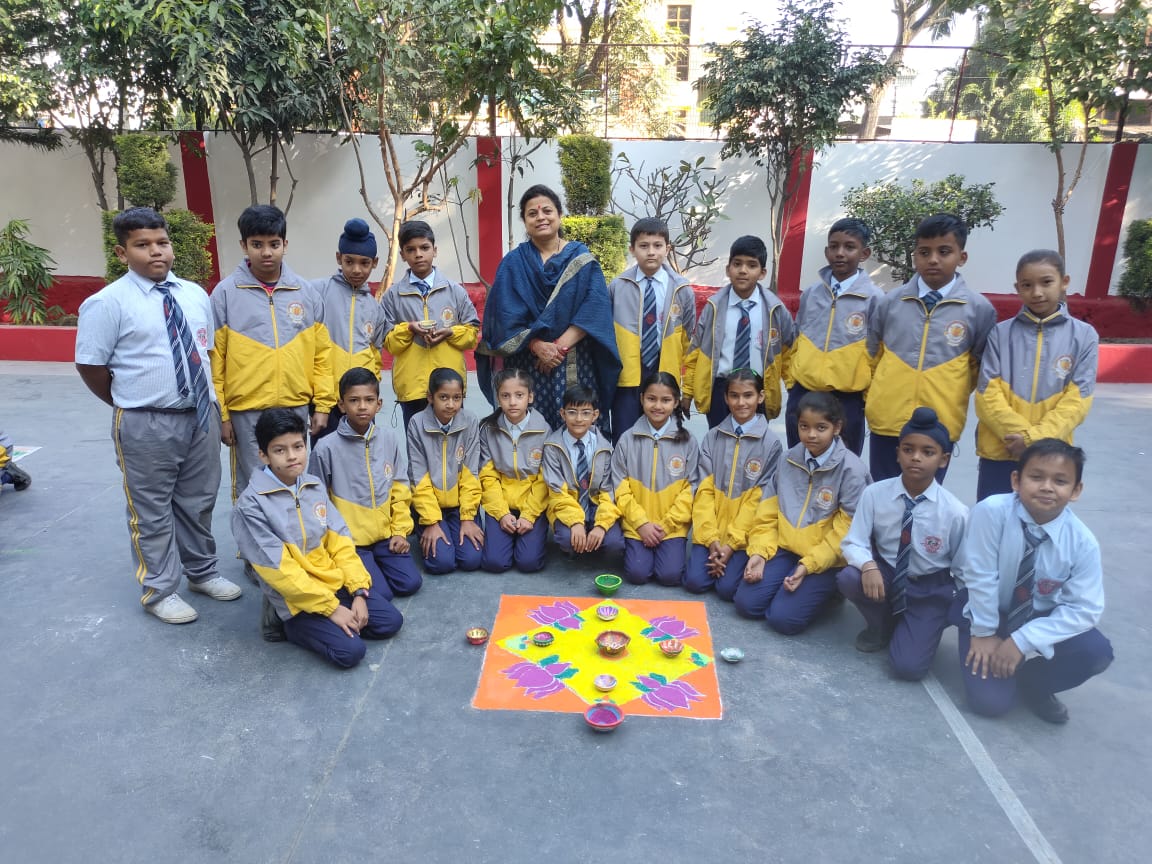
<point x="792" y="251"/>
<point x="1111" y="221"/>
<point x="198" y="188"/>
<point x="490" y="213"/>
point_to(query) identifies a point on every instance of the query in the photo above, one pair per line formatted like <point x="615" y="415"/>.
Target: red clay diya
<point x="477" y="636"/>
<point x="612" y="643"/>
<point x="671" y="647"/>
<point x="604" y="716"/>
<point x="607" y="612"/>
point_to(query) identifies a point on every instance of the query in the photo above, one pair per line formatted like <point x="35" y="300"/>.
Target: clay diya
<point x="428" y="325"/>
<point x="608" y="584"/>
<point x="732" y="655"/>
<point x="613" y="643"/>
<point x="542" y="639"/>
<point x="604" y="716"/>
<point x="671" y="647"/>
<point x="604" y="683"/>
<point x="477" y="635"/>
<point x="607" y="612"/>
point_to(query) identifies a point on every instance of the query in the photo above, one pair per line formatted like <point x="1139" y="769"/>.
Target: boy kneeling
<point x="299" y="546"/>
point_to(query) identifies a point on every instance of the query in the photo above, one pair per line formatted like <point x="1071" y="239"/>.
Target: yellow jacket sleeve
<point x="1063" y="418"/>
<point x="995" y="411"/>
<point x="564" y="508"/>
<point x="705" y="525"/>
<point x="399" y="339"/>
<point x="744" y="520"/>
<point x="492" y="492"/>
<point x="633" y="514"/>
<point x="606" y="511"/>
<point x="679" y="514"/>
<point x="400" y="509"/>
<point x="765" y="538"/>
<point x="323" y="387"/>
<point x="218" y="356"/>
<point x="292" y="581"/>
<point x="464" y="336"/>
<point x="536" y="501"/>
<point x="826" y="554"/>
<point x="469" y="493"/>
<point x="688" y="378"/>
<point x="425" y="502"/>
<point x="343" y="552"/>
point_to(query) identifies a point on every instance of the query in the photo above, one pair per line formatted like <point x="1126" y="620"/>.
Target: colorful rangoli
<point x="519" y="675"/>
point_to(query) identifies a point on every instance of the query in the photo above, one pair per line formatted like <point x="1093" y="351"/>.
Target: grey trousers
<point x="245" y="455"/>
<point x="171" y="474"/>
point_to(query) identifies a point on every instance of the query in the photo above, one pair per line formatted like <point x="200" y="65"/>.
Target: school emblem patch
<point x="389" y="471"/>
<point x="1062" y="366"/>
<point x="447" y="316"/>
<point x="855" y="323"/>
<point x="773" y="336"/>
<point x="202" y="337"/>
<point x="676" y="466"/>
<point x="932" y="545"/>
<point x="320" y="511"/>
<point x="1047" y="586"/>
<point x="824" y="498"/>
<point x="296" y="312"/>
<point x="752" y="468"/>
<point x="674" y="310"/>
<point x="460" y="454"/>
<point x="535" y="455"/>
<point x="368" y="329"/>
<point x="954" y="332"/>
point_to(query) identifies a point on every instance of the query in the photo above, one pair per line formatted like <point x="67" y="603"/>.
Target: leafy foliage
<point x="1136" y="282"/>
<point x="893" y="211"/>
<point x="189" y="235"/>
<point x="25" y="274"/>
<point x="780" y="92"/>
<point x="605" y="236"/>
<point x="145" y="171"/>
<point x="586" y="172"/>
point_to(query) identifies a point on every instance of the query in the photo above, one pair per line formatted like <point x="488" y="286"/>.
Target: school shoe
<point x="873" y="639"/>
<point x="172" y="610"/>
<point x="271" y="627"/>
<point x="17" y="476"/>
<point x="1045" y="706"/>
<point x="218" y="588"/>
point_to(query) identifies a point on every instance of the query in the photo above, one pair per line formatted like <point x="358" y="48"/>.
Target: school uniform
<point x="654" y="478"/>
<point x="355" y="324"/>
<point x="444" y="470"/>
<point x="436" y="299"/>
<point x="299" y="547"/>
<point x="272" y="351"/>
<point x="165" y="423"/>
<point x="924" y="590"/>
<point x="581" y="497"/>
<point x="367" y="480"/>
<point x="737" y="464"/>
<point x="664" y="304"/>
<point x="510" y="459"/>
<point x="830" y="352"/>
<point x="922" y="354"/>
<point x="6" y="450"/>
<point x="1037" y="379"/>
<point x="1049" y="608"/>
<point x="717" y="348"/>
<point x="803" y="519"/>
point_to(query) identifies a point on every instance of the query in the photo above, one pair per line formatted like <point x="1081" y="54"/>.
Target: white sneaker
<point x="218" y="588"/>
<point x="172" y="610"/>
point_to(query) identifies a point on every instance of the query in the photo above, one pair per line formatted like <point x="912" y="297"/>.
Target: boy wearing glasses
<point x="577" y="468"/>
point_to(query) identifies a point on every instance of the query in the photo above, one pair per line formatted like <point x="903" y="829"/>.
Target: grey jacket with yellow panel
<point x="735" y="477"/>
<point x="564" y="485"/>
<point x="830" y="352"/>
<point x="444" y="467"/>
<point x="510" y="470"/>
<point x="654" y="480"/>
<point x="678" y="323"/>
<point x="354" y="320"/>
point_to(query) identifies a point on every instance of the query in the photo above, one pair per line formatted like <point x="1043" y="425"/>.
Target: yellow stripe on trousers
<point x="133" y="518"/>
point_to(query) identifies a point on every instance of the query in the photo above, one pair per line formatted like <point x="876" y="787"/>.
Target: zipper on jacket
<point x="368" y="468"/>
<point x="300" y="519"/>
<point x="831" y="318"/>
<point x="1036" y="361"/>
<point x="732" y="475"/>
<point x="351" y="332"/>
<point x="655" y="457"/>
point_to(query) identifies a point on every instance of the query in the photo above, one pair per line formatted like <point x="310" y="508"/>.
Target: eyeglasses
<point x="579" y="413"/>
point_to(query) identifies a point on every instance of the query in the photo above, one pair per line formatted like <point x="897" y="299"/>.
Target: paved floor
<point x="126" y="740"/>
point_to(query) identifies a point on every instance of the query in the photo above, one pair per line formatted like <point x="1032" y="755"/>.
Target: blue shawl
<point x="518" y="310"/>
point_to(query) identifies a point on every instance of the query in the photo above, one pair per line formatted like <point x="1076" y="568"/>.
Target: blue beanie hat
<point x="925" y="422"/>
<point x="357" y="239"/>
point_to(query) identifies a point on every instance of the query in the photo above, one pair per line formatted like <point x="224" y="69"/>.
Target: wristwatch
<point x="362" y="592"/>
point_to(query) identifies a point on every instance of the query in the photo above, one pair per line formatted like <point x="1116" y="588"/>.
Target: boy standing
<point x="742" y="326"/>
<point x="287" y="530"/>
<point x="578" y="470"/>
<point x="899" y="549"/>
<point x="1034" y="590"/>
<point x="925" y="341"/>
<point x="272" y="350"/>
<point x="429" y="321"/>
<point x="143" y="346"/>
<point x="831" y="328"/>
<point x="352" y="317"/>
<point x="654" y="312"/>
<point x="366" y="473"/>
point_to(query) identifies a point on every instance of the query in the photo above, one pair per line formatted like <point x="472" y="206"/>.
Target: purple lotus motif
<point x="665" y="696"/>
<point x="540" y="679"/>
<point x="667" y="627"/>
<point x="563" y="616"/>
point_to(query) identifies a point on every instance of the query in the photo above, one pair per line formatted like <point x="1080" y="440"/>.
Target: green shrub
<point x="25" y="274"/>
<point x="605" y="236"/>
<point x="1136" y="283"/>
<point x="144" y="170"/>
<point x="893" y="212"/>
<point x="586" y="172"/>
<point x="190" y="235"/>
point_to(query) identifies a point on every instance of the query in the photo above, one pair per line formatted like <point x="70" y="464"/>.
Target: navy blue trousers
<point x="853" y="404"/>
<point x="318" y="634"/>
<point x="787" y="612"/>
<point x="503" y="551"/>
<point x="664" y="563"/>
<point x="697" y="579"/>
<point x="394" y="573"/>
<point x="613" y="542"/>
<point x="446" y="558"/>
<point x="994" y="476"/>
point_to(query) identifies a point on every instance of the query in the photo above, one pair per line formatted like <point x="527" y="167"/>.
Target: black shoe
<point x="1047" y="707"/>
<point x="271" y="627"/>
<point x="17" y="476"/>
<point x="873" y="639"/>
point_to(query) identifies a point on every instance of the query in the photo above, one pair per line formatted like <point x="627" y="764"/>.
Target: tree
<point x="913" y="17"/>
<point x="25" y="79"/>
<point x="780" y="93"/>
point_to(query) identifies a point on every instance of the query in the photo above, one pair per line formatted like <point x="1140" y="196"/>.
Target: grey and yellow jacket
<point x="736" y="476"/>
<point x="448" y="305"/>
<point x="809" y="512"/>
<point x="654" y="480"/>
<point x="444" y="467"/>
<point x="564" y="486"/>
<point x="298" y="545"/>
<point x="367" y="480"/>
<point x="510" y="477"/>
<point x="678" y="319"/>
<point x="830" y="352"/>
<point x="272" y="350"/>
<point x="1037" y="379"/>
<point x="925" y="358"/>
<point x="355" y="324"/>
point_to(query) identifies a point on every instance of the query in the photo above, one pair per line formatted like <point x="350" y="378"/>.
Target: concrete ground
<point x="127" y="740"/>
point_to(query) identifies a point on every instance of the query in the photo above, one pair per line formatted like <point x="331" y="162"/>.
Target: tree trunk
<point x="871" y="119"/>
<point x="274" y="176"/>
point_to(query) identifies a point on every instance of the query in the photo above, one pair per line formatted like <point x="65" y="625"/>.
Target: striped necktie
<point x="584" y="478"/>
<point x="422" y="286"/>
<point x="813" y="464"/>
<point x="446" y="428"/>
<point x="931" y="299"/>
<point x="185" y="356"/>
<point x="742" y="357"/>
<point x="650" y="338"/>
<point x="1020" y="612"/>
<point x="903" y="557"/>
<point x="739" y="430"/>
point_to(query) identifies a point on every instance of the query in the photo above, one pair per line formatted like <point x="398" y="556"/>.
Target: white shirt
<point x="513" y="429"/>
<point x="938" y="524"/>
<point x="589" y="442"/>
<point x="662" y="431"/>
<point x="122" y="327"/>
<point x="731" y="322"/>
<point x="750" y="426"/>
<point x="823" y="458"/>
<point x="844" y="284"/>
<point x="430" y="279"/>
<point x="923" y="288"/>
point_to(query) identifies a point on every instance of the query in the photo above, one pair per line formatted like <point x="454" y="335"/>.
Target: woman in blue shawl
<point x="548" y="312"/>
